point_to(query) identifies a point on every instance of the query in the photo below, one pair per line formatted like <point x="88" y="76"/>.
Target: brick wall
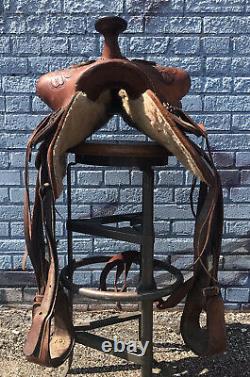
<point x="208" y="38"/>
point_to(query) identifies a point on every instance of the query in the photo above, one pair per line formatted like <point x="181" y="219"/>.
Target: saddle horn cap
<point x="110" y="28"/>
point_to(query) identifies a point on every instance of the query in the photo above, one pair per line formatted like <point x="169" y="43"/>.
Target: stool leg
<point x="70" y="252"/>
<point x="69" y="232"/>
<point x="146" y="282"/>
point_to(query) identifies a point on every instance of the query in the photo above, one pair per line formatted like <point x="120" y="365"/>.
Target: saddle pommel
<point x="110" y="28"/>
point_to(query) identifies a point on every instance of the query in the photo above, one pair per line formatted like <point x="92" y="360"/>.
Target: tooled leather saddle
<point x="83" y="98"/>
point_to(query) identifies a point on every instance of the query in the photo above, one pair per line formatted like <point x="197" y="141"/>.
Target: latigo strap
<point x="83" y="98"/>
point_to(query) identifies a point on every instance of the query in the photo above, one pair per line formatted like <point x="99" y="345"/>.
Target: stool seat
<point x="118" y="153"/>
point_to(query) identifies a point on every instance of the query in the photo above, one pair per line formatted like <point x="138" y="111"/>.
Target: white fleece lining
<point x="148" y="117"/>
<point x="83" y="117"/>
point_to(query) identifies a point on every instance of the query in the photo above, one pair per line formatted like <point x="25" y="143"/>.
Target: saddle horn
<point x="110" y="28"/>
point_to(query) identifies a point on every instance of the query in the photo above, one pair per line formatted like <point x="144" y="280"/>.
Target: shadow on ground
<point x="233" y="363"/>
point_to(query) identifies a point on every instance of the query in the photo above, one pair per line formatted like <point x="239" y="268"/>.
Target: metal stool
<point x="141" y="231"/>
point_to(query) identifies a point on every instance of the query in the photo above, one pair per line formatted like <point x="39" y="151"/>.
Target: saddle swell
<point x="58" y="88"/>
<point x="83" y="98"/>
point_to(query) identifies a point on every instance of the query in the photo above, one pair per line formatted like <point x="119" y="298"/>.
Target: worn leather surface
<point x="148" y="97"/>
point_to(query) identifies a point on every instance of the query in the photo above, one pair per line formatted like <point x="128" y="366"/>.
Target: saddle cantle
<point x="148" y="96"/>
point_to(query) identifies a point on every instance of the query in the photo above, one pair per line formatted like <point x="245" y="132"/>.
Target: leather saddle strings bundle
<point x="83" y="98"/>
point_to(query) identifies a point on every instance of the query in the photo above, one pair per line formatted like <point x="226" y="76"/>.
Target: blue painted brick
<point x="136" y="177"/>
<point x="193" y="65"/>
<point x="54" y="45"/>
<point x="185" y="45"/>
<point x="173" y="25"/>
<point x="163" y="7"/>
<point x="218" y="84"/>
<point x="38" y="65"/>
<point x="183" y="228"/>
<point x="216" y="45"/>
<point x="2" y="103"/>
<point x="4" y="45"/>
<point x="13" y="140"/>
<point x="100" y="195"/>
<point x="183" y="262"/>
<point x="10" y="177"/>
<point x="14" y="24"/>
<point x="192" y="103"/>
<point x="5" y="262"/>
<point x="96" y="7"/>
<point x="11" y="65"/>
<point x="152" y="45"/>
<point x="17" y="159"/>
<point x="90" y="178"/>
<point x="217" y="66"/>
<point x="29" y="6"/>
<point x="237" y="294"/>
<point x="39" y="106"/>
<point x="205" y="6"/>
<point x="12" y="245"/>
<point x="216" y="121"/>
<point x="235" y="228"/>
<point x="241" y="122"/>
<point x="243" y="159"/>
<point x="162" y="228"/>
<point x="135" y="24"/>
<point x="223" y="159"/>
<point x="163" y="195"/>
<point x="182" y="195"/>
<point x="16" y="195"/>
<point x="170" y="178"/>
<point x="67" y="24"/>
<point x="11" y="212"/>
<point x="233" y="278"/>
<point x="234" y="262"/>
<point x="17" y="104"/>
<point x="4" y="229"/>
<point x="230" y="25"/>
<point x="242" y="85"/>
<point x="4" y="195"/>
<point x="21" y="121"/>
<point x="83" y="45"/>
<point x="227" y="103"/>
<point x="240" y="194"/>
<point x="173" y="245"/>
<point x="18" y="84"/>
<point x="120" y="177"/>
<point x="26" y="45"/>
<point x="229" y="177"/>
<point x="237" y="211"/>
<point x="241" y="45"/>
<point x="4" y="159"/>
<point x="37" y="24"/>
<point x="196" y="85"/>
<point x="245" y="177"/>
<point x="131" y="195"/>
<point x="17" y="229"/>
<point x="135" y="6"/>
<point x="172" y="211"/>
<point x="240" y="66"/>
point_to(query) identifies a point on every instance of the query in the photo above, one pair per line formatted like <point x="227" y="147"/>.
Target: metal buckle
<point x="211" y="291"/>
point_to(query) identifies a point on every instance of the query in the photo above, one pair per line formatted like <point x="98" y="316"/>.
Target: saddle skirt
<point x="83" y="98"/>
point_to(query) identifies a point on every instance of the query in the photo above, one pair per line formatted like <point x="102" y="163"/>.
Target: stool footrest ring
<point x="92" y="293"/>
